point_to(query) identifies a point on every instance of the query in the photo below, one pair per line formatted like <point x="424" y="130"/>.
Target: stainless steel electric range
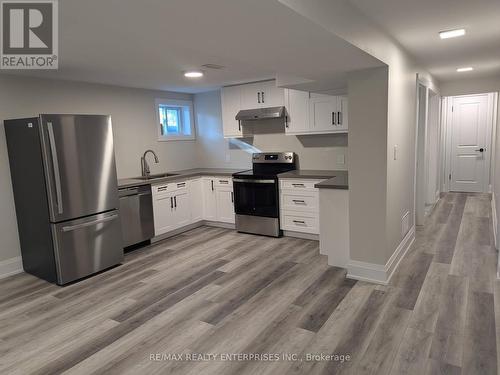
<point x="256" y="193"/>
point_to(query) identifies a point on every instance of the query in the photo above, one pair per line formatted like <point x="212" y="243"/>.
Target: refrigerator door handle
<point x="55" y="166"/>
<point x="70" y="228"/>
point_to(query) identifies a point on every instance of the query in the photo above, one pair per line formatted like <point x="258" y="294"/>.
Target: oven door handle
<point x="254" y="181"/>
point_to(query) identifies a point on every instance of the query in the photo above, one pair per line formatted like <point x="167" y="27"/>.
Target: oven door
<point x="256" y="197"/>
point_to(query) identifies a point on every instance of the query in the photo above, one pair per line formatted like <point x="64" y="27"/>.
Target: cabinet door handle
<point x="232" y="197"/>
<point x="239" y="125"/>
<point x="286" y="121"/>
<point x="171" y="202"/>
<point x="258" y="97"/>
<point x="175" y="201"/>
<point x="339" y="118"/>
<point x="262" y="93"/>
<point x="212" y="185"/>
<point x="333" y="118"/>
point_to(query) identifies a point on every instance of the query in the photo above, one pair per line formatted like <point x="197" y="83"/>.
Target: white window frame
<point x="187" y="105"/>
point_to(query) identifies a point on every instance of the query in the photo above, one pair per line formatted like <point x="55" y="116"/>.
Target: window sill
<point x="177" y="138"/>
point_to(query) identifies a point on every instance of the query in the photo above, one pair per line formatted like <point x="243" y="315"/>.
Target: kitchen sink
<point x="153" y="176"/>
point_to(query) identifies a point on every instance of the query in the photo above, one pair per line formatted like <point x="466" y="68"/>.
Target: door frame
<point x="447" y="119"/>
<point x="420" y="175"/>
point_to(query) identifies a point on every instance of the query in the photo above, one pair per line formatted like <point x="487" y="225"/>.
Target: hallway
<point x="449" y="281"/>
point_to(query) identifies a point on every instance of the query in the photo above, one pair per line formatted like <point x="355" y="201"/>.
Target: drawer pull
<point x="299" y="221"/>
<point x="223" y="181"/>
<point x="163" y="188"/>
<point x="298" y="185"/>
<point x="182" y="184"/>
<point x="299" y="201"/>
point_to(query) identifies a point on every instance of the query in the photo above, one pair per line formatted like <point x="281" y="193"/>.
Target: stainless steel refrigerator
<point x="66" y="195"/>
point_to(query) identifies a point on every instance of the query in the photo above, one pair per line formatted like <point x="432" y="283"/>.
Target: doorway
<point x="427" y="151"/>
<point x="469" y="124"/>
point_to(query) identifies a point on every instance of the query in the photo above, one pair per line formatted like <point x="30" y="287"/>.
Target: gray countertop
<point x="309" y="173"/>
<point x="339" y="181"/>
<point x="333" y="179"/>
<point x="179" y="175"/>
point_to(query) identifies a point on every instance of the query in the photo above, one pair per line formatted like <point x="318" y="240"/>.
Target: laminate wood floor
<point x="216" y="292"/>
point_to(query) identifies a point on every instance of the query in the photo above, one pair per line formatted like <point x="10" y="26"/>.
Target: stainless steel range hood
<point x="260" y="113"/>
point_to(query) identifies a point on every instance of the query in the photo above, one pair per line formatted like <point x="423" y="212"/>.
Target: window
<point x="174" y="120"/>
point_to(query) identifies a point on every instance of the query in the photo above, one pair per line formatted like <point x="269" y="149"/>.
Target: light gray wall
<point x="314" y="152"/>
<point x="132" y="113"/>
<point x="368" y="198"/>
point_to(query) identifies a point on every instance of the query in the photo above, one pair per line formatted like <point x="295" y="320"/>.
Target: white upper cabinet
<point x="307" y="113"/>
<point x="251" y="95"/>
<point x="297" y="108"/>
<point x="323" y="113"/>
<point x="343" y="119"/>
<point x="261" y="95"/>
<point x="272" y="96"/>
<point x="231" y="104"/>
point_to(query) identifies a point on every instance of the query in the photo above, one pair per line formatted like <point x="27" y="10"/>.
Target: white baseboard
<point x="494" y="218"/>
<point x="11" y="267"/>
<point x="378" y="273"/>
<point x="304" y="236"/>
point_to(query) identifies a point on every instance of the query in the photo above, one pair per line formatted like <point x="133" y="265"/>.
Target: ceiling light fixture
<point x="193" y="74"/>
<point x="467" y="69"/>
<point x="451" y="33"/>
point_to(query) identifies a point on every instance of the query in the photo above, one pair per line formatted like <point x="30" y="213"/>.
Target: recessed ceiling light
<point x="467" y="69"/>
<point x="451" y="33"/>
<point x="193" y="74"/>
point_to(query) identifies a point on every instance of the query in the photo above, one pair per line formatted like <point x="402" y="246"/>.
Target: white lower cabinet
<point x="218" y="200"/>
<point x="195" y="188"/>
<point x="180" y="203"/>
<point x="171" y="206"/>
<point x="209" y="199"/>
<point x="163" y="209"/>
<point x="299" y="206"/>
<point x="225" y="204"/>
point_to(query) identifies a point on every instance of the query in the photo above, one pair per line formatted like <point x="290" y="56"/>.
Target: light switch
<point x="341" y="159"/>
<point x="395" y="152"/>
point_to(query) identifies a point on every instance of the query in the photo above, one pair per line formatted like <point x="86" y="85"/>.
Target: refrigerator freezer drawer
<point x="86" y="246"/>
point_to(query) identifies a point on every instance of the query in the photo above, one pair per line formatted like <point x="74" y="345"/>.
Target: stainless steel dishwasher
<point x="136" y="213"/>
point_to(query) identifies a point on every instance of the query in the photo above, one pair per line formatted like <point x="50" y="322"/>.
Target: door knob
<point x="480" y="150"/>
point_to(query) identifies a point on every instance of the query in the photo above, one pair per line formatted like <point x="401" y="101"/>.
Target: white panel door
<point x="469" y="148"/>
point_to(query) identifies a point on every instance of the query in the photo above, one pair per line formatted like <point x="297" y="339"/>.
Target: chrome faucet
<point x="145" y="172"/>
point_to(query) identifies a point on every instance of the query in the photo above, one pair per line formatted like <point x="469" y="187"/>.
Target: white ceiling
<point x="149" y="43"/>
<point x="416" y="23"/>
